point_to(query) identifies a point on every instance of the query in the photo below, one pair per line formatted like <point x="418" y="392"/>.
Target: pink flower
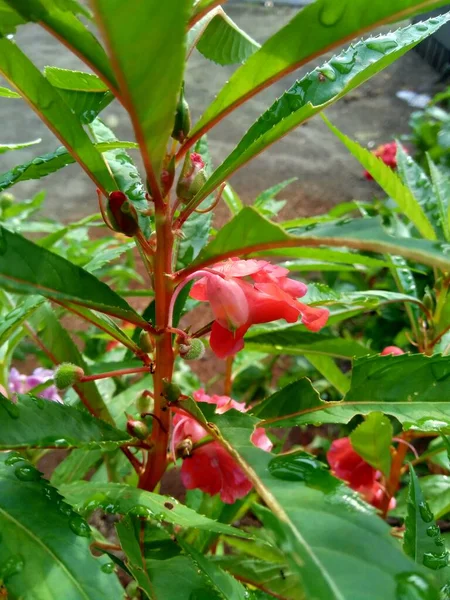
<point x="388" y="154"/>
<point x="238" y="303"/>
<point x="210" y="467"/>
<point x="21" y="384"/>
<point x="394" y="350"/>
<point x="349" y="466"/>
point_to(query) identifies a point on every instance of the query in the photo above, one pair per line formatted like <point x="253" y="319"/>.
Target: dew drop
<point x="13" y="458"/>
<point x="65" y="509"/>
<point x="435" y="561"/>
<point x="381" y="44"/>
<point x="411" y="586"/>
<point x="27" y="473"/>
<point x="108" y="567"/>
<point x="332" y="12"/>
<point x="343" y="64"/>
<point x="328" y="72"/>
<point x="425" y="512"/>
<point x="433" y="531"/>
<point x="79" y="526"/>
<point x="421" y="27"/>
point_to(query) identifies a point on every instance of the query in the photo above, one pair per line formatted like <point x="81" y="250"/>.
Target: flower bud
<point x="193" y="350"/>
<point x="121" y="214"/>
<point x="182" y="123"/>
<point x="392" y="350"/>
<point x="67" y="375"/>
<point x="171" y="391"/>
<point x="192" y="177"/>
<point x="6" y="200"/>
<point x="137" y="429"/>
<point x="146" y="342"/>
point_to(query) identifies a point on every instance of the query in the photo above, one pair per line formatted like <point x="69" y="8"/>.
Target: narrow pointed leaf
<point x="48" y="104"/>
<point x="441" y="189"/>
<point x="314" y="30"/>
<point x="390" y="182"/>
<point x="28" y="268"/>
<point x="39" y="423"/>
<point x="75" y="466"/>
<point x="249" y="232"/>
<point x="135" y="560"/>
<point x="15" y="319"/>
<point x="7" y="147"/>
<point x="142" y="61"/>
<point x="224" y="42"/>
<point x="87" y="496"/>
<point x="47" y="559"/>
<point x="68" y="28"/>
<point x="422" y="540"/>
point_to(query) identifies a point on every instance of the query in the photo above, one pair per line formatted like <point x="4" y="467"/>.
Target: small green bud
<point x="182" y="122"/>
<point x="171" y="391"/>
<point x="6" y="200"/>
<point x="193" y="350"/>
<point x="67" y="375"/>
<point x="428" y="299"/>
<point x="146" y="342"/>
<point x="137" y="429"/>
<point x="192" y="177"/>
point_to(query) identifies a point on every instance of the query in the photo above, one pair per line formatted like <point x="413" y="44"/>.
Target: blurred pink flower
<point x="210" y="467"/>
<point x="21" y="384"/>
<point x="394" y="350"/>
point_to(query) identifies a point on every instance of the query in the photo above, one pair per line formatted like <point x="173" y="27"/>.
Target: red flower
<point x="394" y="350"/>
<point x="210" y="468"/>
<point x="237" y="303"/>
<point x="388" y="154"/>
<point x="347" y="465"/>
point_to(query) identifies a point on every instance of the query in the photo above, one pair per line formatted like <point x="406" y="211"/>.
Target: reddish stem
<point x="116" y="373"/>
<point x="393" y="482"/>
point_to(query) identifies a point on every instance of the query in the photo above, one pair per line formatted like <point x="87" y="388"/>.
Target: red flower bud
<point x="121" y="214"/>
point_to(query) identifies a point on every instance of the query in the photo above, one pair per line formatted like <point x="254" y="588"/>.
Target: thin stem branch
<point x="115" y="373"/>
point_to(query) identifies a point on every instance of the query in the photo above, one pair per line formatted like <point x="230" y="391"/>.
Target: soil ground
<point x="326" y="173"/>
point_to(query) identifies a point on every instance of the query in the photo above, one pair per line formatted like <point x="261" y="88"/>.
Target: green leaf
<point x="416" y="180"/>
<point x="87" y="496"/>
<point x="411" y="388"/>
<point x="316" y="91"/>
<point x="28" y="268"/>
<point x="436" y="493"/>
<point x="422" y="540"/>
<point x="44" y="165"/>
<point x="135" y="560"/>
<point x="328" y="368"/>
<point x="7" y="147"/>
<point x="320" y="26"/>
<point x="68" y="29"/>
<point x="224" y="42"/>
<point x="278" y="580"/>
<point x="390" y="182"/>
<point x="79" y="81"/>
<point x="249" y="232"/>
<point x="6" y="93"/>
<point x="218" y="580"/>
<point x="231" y="199"/>
<point x="75" y="466"/>
<point x="266" y="203"/>
<point x="296" y="340"/>
<point x="61" y="348"/>
<point x="142" y="62"/>
<point x="441" y="188"/>
<point x="372" y="440"/>
<point x="14" y="319"/>
<point x="52" y="109"/>
<point x="300" y="493"/>
<point x="124" y="172"/>
<point x="39" y="423"/>
<point x="41" y="555"/>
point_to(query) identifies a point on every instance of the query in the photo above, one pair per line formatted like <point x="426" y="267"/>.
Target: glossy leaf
<point x="44" y="165"/>
<point x="314" y="30"/>
<point x="67" y="27"/>
<point x="45" y="554"/>
<point x="441" y="189"/>
<point x="7" y="147"/>
<point x="39" y="423"/>
<point x="87" y="496"/>
<point x="413" y="389"/>
<point x="125" y="173"/>
<point x="298" y="491"/>
<point x="436" y="493"/>
<point x="316" y="91"/>
<point x="48" y="104"/>
<point x="390" y="182"/>
<point x="15" y="318"/>
<point x="372" y="440"/>
<point x="249" y="232"/>
<point x="224" y="42"/>
<point x="75" y="466"/>
<point x="79" y="81"/>
<point x="142" y="62"/>
<point x="417" y="181"/>
<point x="28" y="268"/>
<point x="135" y="561"/>
<point x="422" y="539"/>
<point x="329" y="369"/>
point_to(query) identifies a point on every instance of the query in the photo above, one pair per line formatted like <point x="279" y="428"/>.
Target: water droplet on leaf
<point x="108" y="567"/>
<point x="435" y="561"/>
<point x="13" y="458"/>
<point x="425" y="512"/>
<point x="381" y="44"/>
<point x="332" y="12"/>
<point x="79" y="526"/>
<point x="27" y="473"/>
